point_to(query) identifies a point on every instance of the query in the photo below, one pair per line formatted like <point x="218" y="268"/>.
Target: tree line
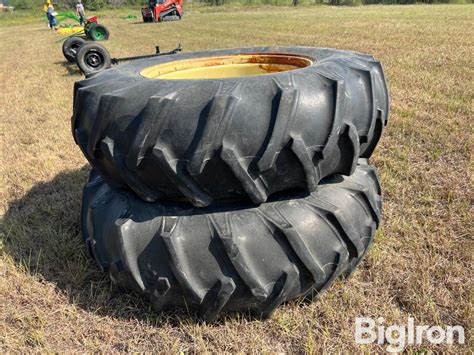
<point x="94" y="5"/>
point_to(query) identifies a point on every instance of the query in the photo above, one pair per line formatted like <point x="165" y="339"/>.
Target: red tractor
<point x="163" y="10"/>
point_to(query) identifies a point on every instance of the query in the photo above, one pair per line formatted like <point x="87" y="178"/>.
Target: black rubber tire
<point x="232" y="257"/>
<point x="93" y="58"/>
<point x="71" y="47"/>
<point x="93" y="33"/>
<point x="235" y="137"/>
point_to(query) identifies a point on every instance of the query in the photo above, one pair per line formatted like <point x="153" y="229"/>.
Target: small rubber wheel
<point x="71" y="47"/>
<point x="99" y="33"/>
<point x="93" y="58"/>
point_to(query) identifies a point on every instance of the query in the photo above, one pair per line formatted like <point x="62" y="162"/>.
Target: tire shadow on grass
<point x="72" y="68"/>
<point x="42" y="235"/>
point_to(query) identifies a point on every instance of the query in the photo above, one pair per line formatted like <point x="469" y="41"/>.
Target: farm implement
<point x="91" y="29"/>
<point x="94" y="58"/>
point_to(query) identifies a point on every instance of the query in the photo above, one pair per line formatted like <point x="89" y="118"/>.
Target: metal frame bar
<point x="157" y="54"/>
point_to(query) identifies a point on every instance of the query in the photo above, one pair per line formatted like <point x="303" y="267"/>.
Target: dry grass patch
<point x="54" y="298"/>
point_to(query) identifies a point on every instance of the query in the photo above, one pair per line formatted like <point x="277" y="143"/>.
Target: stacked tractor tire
<point x="232" y="194"/>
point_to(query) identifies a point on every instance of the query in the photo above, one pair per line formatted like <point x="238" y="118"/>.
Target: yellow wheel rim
<point x="226" y="66"/>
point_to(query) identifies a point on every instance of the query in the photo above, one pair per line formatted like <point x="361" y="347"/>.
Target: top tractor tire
<point x="232" y="137"/>
<point x="71" y="47"/>
<point x="232" y="256"/>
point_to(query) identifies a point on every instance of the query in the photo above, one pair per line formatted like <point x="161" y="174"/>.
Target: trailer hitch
<point x="93" y="58"/>
<point x="157" y="54"/>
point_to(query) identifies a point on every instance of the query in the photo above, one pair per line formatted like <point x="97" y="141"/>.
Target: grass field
<point x="54" y="298"/>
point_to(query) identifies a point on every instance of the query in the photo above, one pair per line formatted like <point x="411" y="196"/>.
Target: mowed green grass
<point x="54" y="298"/>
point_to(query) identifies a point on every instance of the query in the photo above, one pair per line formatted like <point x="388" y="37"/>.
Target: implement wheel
<point x="99" y="33"/>
<point x="71" y="47"/>
<point x="93" y="58"/>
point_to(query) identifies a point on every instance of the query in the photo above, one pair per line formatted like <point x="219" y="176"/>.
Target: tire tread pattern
<point x="248" y="158"/>
<point x="233" y="257"/>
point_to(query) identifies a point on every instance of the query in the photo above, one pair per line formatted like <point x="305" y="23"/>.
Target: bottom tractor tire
<point x="234" y="256"/>
<point x="71" y="47"/>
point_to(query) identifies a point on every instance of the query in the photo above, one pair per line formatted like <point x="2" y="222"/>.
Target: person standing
<point x="151" y="6"/>
<point x="50" y="14"/>
<point x="80" y="12"/>
<point x="46" y="9"/>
